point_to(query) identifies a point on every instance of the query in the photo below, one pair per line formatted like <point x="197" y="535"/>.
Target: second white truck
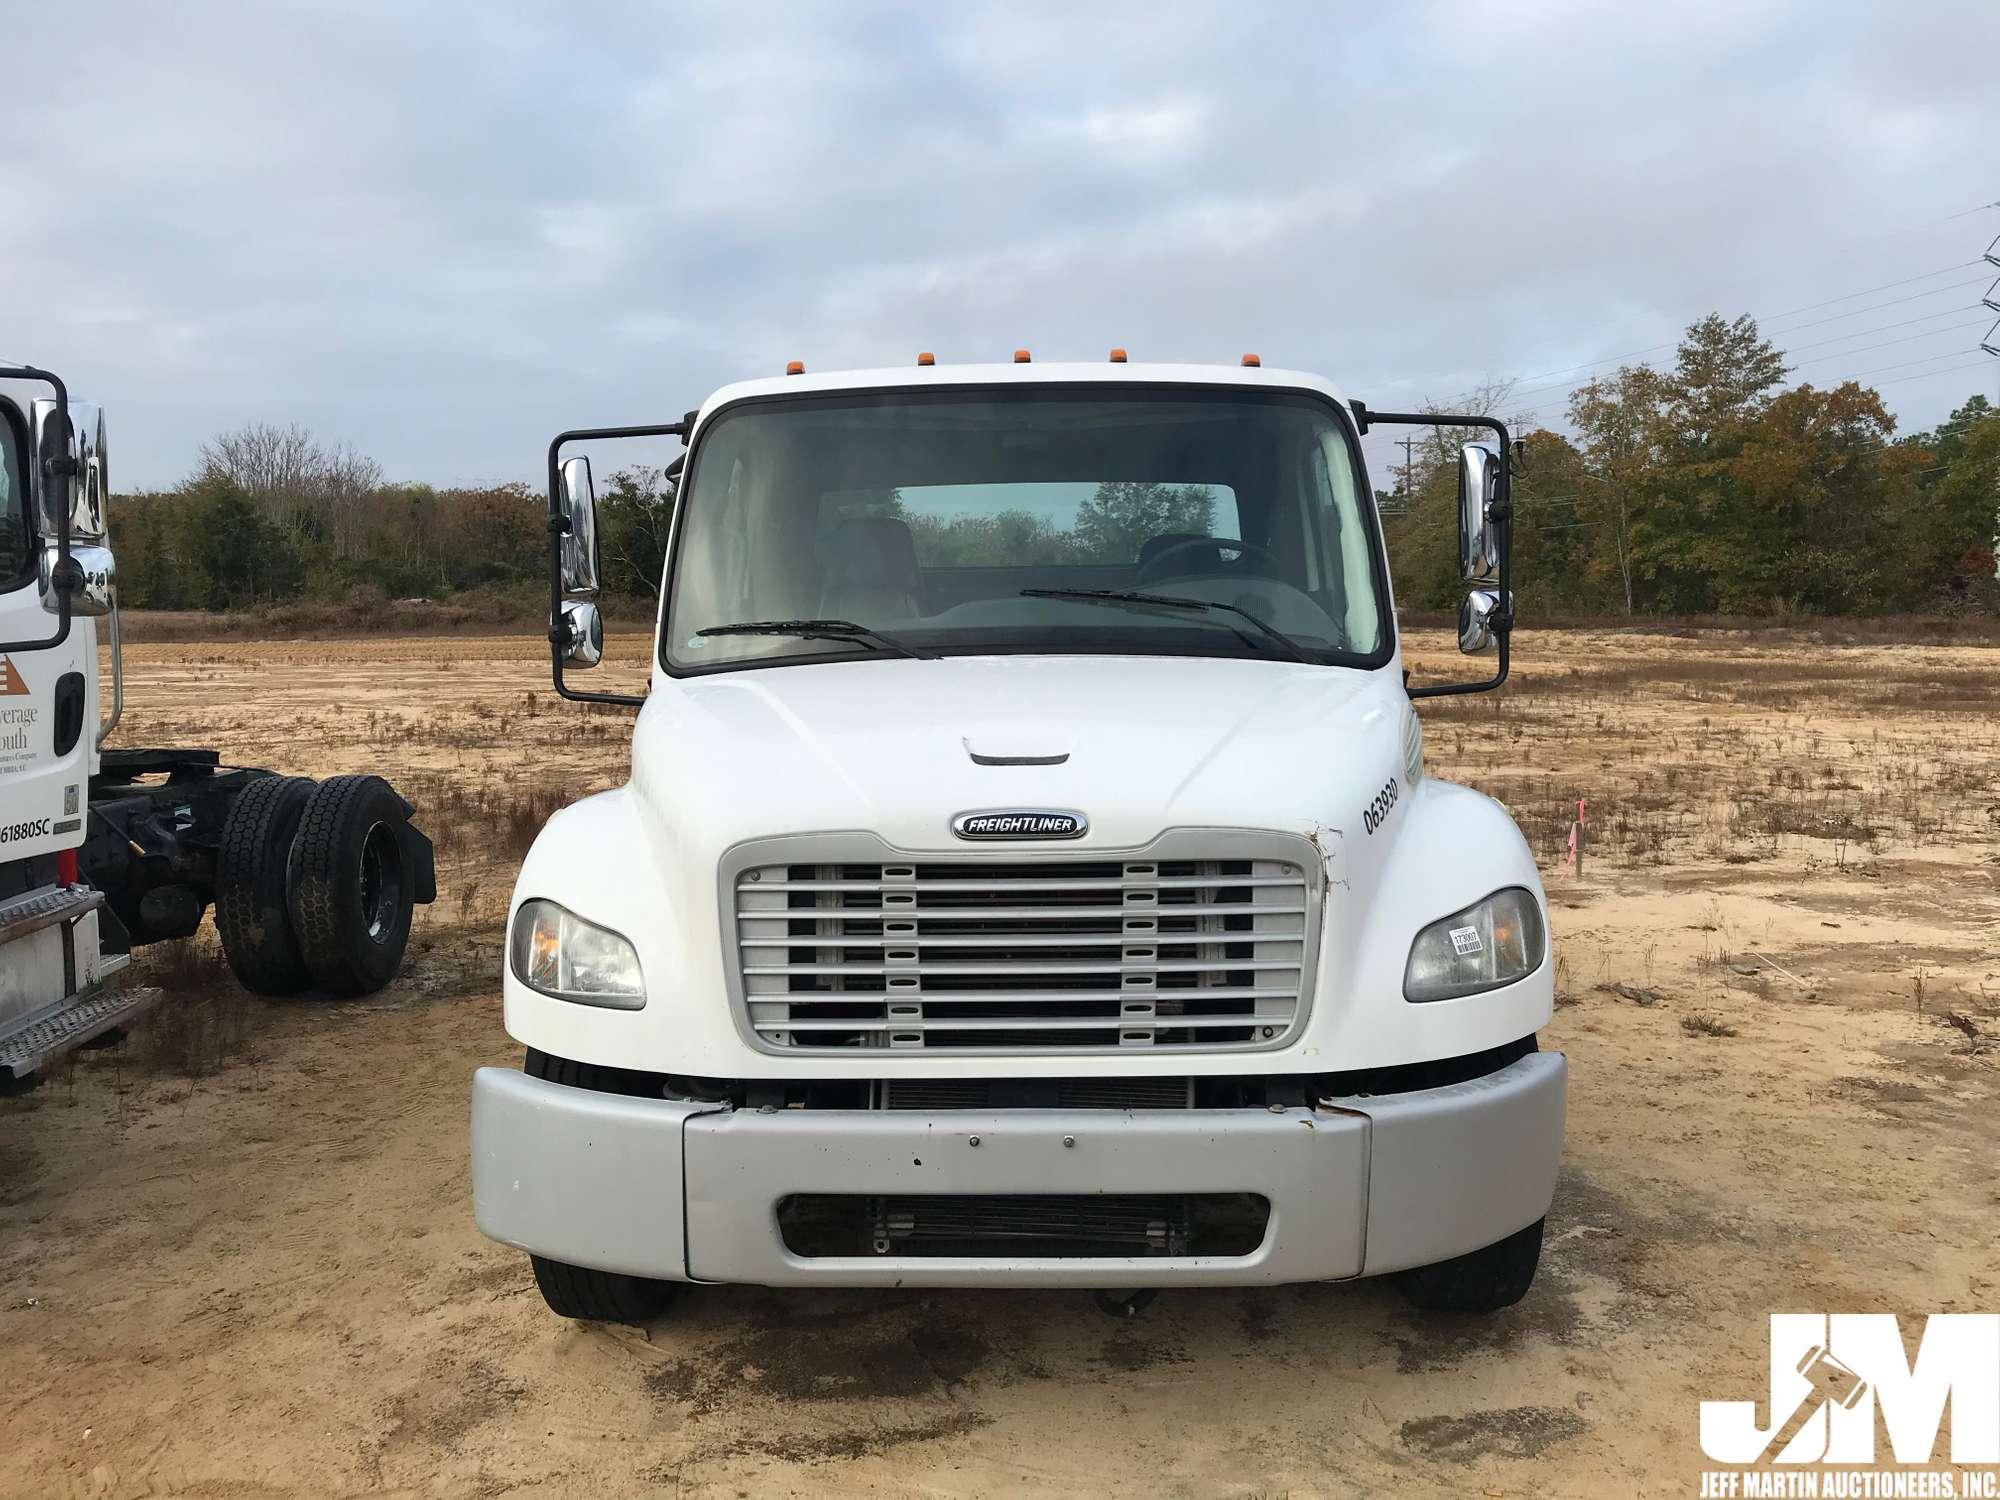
<point x="1028" y="875"/>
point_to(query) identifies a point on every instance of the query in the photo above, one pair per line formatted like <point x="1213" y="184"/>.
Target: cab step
<point x="46" y="907"/>
<point x="43" y="1036"/>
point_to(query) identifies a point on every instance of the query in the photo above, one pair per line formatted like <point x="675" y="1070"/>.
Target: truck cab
<point x="53" y="473"/>
<point x="312" y="884"/>
<point x="1028" y="873"/>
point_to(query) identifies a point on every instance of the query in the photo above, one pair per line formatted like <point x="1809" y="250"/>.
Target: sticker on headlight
<point x="1465" y="941"/>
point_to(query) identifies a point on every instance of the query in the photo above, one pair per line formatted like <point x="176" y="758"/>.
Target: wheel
<point x="599" y="1296"/>
<point x="348" y="892"/>
<point x="250" y="912"/>
<point x="1480" y="1281"/>
<point x="577" y="1291"/>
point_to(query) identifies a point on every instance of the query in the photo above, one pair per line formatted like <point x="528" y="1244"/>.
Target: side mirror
<point x="99" y="574"/>
<point x="585" y="626"/>
<point x="1478" y="533"/>
<point x="1475" y="620"/>
<point x="87" y="492"/>
<point x="579" y="543"/>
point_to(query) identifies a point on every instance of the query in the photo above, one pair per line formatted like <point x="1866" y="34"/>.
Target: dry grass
<point x="1967" y="628"/>
<point x="1730" y="753"/>
<point x="204" y="1017"/>
<point x="1701" y="1023"/>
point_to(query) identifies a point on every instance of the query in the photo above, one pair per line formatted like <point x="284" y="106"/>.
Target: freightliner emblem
<point x="1020" y="823"/>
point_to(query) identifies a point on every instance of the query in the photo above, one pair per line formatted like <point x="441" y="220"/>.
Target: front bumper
<point x="689" y="1192"/>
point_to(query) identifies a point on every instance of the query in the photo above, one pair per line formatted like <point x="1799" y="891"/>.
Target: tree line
<point x="272" y="515"/>
<point x="1713" y="488"/>
<point x="1707" y="487"/>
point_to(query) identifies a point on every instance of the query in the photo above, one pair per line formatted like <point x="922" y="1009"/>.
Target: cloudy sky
<point x="440" y="232"/>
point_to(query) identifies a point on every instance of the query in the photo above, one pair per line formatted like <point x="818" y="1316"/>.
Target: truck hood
<point x="900" y="747"/>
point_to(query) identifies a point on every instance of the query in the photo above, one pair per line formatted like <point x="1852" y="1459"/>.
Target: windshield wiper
<point x="1270" y="633"/>
<point x="823" y="630"/>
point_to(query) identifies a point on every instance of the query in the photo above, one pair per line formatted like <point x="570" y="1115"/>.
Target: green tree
<point x="1960" y="515"/>
<point x="634" y="515"/>
<point x="1618" y="421"/>
<point x="1810" y="509"/>
<point x="1008" y="538"/>
<point x="1723" y="377"/>
<point x="240" y="557"/>
<point x="1123" y="515"/>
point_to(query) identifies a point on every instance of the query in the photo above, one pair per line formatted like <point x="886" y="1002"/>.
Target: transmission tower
<point x="1991" y="343"/>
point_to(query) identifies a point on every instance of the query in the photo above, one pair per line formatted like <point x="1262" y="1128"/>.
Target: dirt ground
<point x="238" y="1258"/>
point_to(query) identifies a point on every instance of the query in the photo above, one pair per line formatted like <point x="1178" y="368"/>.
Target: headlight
<point x="1494" y="942"/>
<point x="559" y="954"/>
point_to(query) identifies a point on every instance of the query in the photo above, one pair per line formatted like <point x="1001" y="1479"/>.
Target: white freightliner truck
<point x="1027" y="874"/>
<point x="104" y="850"/>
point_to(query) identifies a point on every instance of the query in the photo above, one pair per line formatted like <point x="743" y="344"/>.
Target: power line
<point x="1816" y="344"/>
<point x="1949" y="353"/>
<point x="1543" y="407"/>
<point x="1774" y="317"/>
<point x="1887" y="286"/>
<point x="1950" y="286"/>
<point x="1929" y="333"/>
<point x="1977" y="364"/>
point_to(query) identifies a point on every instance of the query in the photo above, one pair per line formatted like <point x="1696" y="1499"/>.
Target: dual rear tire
<point x="313" y="890"/>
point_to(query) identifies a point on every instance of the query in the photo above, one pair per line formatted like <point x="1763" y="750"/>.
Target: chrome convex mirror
<point x="1476" y="618"/>
<point x="1478" y="533"/>
<point x="99" y="571"/>
<point x="584" y="646"/>
<point x="579" y="543"/>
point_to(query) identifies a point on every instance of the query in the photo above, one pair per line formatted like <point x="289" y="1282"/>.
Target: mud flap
<point x="420" y="860"/>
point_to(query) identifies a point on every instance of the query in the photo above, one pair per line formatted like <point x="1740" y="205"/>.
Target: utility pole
<point x="1406" y="444"/>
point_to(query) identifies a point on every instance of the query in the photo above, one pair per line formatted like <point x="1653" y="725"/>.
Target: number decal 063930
<point x="1376" y="813"/>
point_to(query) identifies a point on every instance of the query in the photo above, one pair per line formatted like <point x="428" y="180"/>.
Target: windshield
<point x="929" y="517"/>
<point x="16" y="547"/>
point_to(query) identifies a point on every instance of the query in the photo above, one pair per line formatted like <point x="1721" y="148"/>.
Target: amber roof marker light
<point x="796" y="367"/>
<point x="1022" y="357"/>
<point x="926" y="358"/>
<point x="1251" y="362"/>
<point x="1118" y="356"/>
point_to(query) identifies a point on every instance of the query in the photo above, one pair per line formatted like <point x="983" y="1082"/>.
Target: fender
<point x="1447" y="846"/>
<point x="598" y="858"/>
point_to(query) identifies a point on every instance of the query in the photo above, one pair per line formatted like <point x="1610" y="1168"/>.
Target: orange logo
<point x="11" y="685"/>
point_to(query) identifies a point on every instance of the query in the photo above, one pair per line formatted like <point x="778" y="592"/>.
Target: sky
<point x="439" y="233"/>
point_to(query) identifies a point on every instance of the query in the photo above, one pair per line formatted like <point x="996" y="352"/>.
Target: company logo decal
<point x="1020" y="823"/>
<point x="1837" y="1380"/>
<point x="19" y="735"/>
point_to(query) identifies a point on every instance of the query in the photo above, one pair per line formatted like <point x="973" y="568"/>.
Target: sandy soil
<point x="264" y="1280"/>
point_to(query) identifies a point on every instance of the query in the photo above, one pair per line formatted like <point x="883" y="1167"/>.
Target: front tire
<point x="578" y="1291"/>
<point x="599" y="1296"/>
<point x="1480" y="1281"/>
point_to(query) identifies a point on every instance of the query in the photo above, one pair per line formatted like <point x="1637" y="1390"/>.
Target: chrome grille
<point x="1055" y="954"/>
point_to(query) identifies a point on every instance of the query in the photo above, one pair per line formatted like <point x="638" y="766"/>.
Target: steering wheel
<point x="1156" y="568"/>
